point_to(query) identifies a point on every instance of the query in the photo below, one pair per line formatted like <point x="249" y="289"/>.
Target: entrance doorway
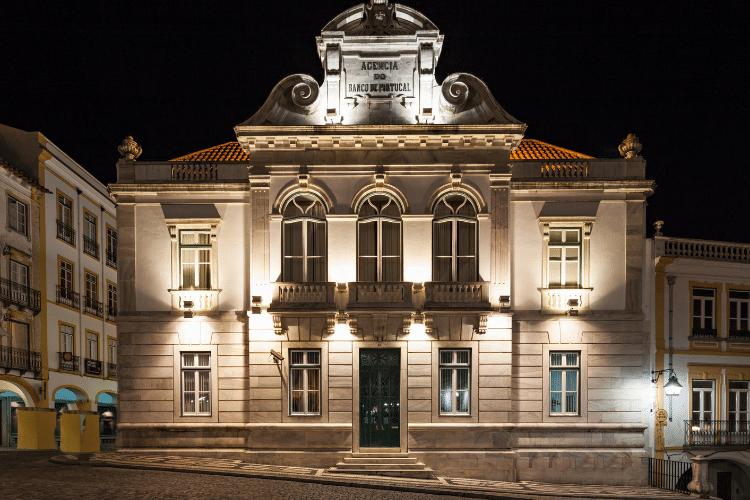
<point x="379" y="398"/>
<point x="9" y="404"/>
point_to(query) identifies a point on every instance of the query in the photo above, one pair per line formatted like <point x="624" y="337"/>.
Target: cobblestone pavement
<point x="51" y="475"/>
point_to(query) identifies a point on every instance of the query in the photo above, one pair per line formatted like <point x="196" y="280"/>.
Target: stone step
<point x="425" y="473"/>
<point x="380" y="460"/>
<point x="378" y="466"/>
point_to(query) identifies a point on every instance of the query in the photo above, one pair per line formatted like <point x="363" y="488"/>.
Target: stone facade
<point x="383" y="216"/>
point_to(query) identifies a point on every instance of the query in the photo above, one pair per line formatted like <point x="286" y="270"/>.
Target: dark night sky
<point x="581" y="74"/>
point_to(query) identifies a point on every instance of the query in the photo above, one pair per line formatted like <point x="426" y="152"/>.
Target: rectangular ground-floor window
<point x="455" y="376"/>
<point x="196" y="383"/>
<point x="564" y="383"/>
<point x="304" y="382"/>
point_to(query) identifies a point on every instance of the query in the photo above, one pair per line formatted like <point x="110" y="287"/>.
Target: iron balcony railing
<point x="111" y="313"/>
<point x="66" y="233"/>
<point x="92" y="306"/>
<point x="739" y="334"/>
<point x="68" y="362"/>
<point x="68" y="298"/>
<point x="112" y="259"/>
<point x="13" y="358"/>
<point x="93" y="366"/>
<point x="90" y="247"/>
<point x="112" y="370"/>
<point x="704" y="332"/>
<point x="669" y="474"/>
<point x="21" y="295"/>
<point x="717" y="434"/>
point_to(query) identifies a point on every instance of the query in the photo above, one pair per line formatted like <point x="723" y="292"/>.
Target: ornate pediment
<point x="379" y="18"/>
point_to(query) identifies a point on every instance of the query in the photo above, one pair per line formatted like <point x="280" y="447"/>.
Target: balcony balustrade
<point x="92" y="306"/>
<point x="300" y="296"/>
<point x="112" y="259"/>
<point x="739" y="334"/>
<point x="704" y="332"/>
<point x="66" y="233"/>
<point x="68" y="362"/>
<point x="457" y="296"/>
<point x="20" y="295"/>
<point x="68" y="298"/>
<point x="90" y="247"/>
<point x="13" y="358"/>
<point x="395" y="295"/>
<point x="112" y="370"/>
<point x="93" y="366"/>
<point x="717" y="434"/>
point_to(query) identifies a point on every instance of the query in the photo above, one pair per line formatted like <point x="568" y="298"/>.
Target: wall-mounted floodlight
<point x="257" y="302"/>
<point x="342" y="324"/>
<point x="276" y="356"/>
<point x="417" y="328"/>
<point x="188" y="306"/>
<point x="573" y="305"/>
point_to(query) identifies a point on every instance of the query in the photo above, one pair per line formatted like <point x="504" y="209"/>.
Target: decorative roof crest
<point x="129" y="149"/>
<point x="631" y="146"/>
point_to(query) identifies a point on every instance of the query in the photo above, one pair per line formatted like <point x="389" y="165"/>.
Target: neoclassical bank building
<point x="382" y="273"/>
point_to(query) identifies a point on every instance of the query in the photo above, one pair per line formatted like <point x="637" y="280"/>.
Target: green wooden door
<point x="379" y="398"/>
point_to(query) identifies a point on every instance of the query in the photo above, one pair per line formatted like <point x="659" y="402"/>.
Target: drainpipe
<point x="670" y="282"/>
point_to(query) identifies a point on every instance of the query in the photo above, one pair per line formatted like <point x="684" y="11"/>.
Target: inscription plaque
<point x="379" y="77"/>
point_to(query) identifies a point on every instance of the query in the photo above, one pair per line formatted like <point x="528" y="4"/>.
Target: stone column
<point x="700" y="486"/>
<point x="126" y="280"/>
<point x="635" y="234"/>
<point x="499" y="237"/>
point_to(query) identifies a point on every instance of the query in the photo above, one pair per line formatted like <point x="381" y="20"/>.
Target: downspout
<point x="670" y="282"/>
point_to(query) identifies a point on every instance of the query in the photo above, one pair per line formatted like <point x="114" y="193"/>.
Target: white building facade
<point x="71" y="248"/>
<point x="701" y="336"/>
<point x="382" y="263"/>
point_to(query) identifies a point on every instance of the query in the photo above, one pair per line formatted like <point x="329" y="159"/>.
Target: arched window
<point x="304" y="240"/>
<point x="454" y="239"/>
<point x="379" y="239"/>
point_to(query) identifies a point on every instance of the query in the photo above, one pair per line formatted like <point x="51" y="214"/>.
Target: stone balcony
<point x="303" y="296"/>
<point x="465" y="296"/>
<point x="563" y="300"/>
<point x="394" y="295"/>
<point x="702" y="249"/>
<point x="202" y="300"/>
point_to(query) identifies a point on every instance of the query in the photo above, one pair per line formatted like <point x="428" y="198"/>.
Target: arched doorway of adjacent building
<point x="9" y="403"/>
<point x="730" y="479"/>
<point x="67" y="398"/>
<point x="106" y="406"/>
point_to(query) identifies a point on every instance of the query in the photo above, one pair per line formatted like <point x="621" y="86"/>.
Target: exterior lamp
<point x="188" y="306"/>
<point x="673" y="387"/>
<point x="573" y="307"/>
<point x="417" y="325"/>
<point x="342" y="324"/>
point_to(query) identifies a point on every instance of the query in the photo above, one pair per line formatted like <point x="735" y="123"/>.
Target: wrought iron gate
<point x="379" y="398"/>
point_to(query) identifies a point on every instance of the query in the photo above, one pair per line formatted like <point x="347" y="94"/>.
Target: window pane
<point x="462" y="402"/>
<point x="297" y="380"/>
<point x="571" y="359"/>
<point x="446" y="398"/>
<point x="462" y="379"/>
<point x="313" y="357"/>
<point x="446" y="357"/>
<point x="203" y="380"/>
<point x="391" y="269"/>
<point x="571" y="381"/>
<point x="367" y="269"/>
<point x="571" y="236"/>
<point x="313" y="402"/>
<point x="446" y="379"/>
<point x="555" y="359"/>
<point x="555" y="236"/>
<point x="368" y="238"/>
<point x="466" y="238"/>
<point x="293" y="239"/>
<point x="188" y="360"/>
<point x="204" y="359"/>
<point x="466" y="269"/>
<point x="442" y="269"/>
<point x="297" y="402"/>
<point x="703" y="384"/>
<point x="555" y="381"/>
<point x="313" y="378"/>
<point x="462" y="357"/>
<point x="189" y="402"/>
<point x="442" y="239"/>
<point x="293" y="269"/>
<point x="391" y="238"/>
<point x="297" y="357"/>
<point x="571" y="402"/>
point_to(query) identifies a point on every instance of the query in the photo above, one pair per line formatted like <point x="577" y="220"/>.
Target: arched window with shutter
<point x="379" y="244"/>
<point x="454" y="239"/>
<point x="304" y="240"/>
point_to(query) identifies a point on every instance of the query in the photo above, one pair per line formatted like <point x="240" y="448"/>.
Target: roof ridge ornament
<point x="379" y="19"/>
<point x="630" y="147"/>
<point x="129" y="149"/>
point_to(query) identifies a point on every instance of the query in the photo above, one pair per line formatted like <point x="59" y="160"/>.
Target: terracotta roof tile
<point x="529" y="149"/>
<point x="21" y="175"/>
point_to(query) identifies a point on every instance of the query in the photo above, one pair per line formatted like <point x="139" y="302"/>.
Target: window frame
<point x="305" y="368"/>
<point x="701" y="391"/>
<point x="732" y="322"/>
<point x="92" y="338"/>
<point x="72" y="337"/>
<point x="195" y="370"/>
<point x="454" y="367"/>
<point x="305" y="220"/>
<point x="91" y="223"/>
<point x="111" y="299"/>
<point x="582" y="351"/>
<point x="453" y="219"/>
<point x="177" y="352"/>
<point x="565" y="370"/>
<point x="563" y="246"/>
<point x="737" y="392"/>
<point x="110" y="357"/>
<point x="66" y="211"/>
<point x="12" y="200"/>
<point x="111" y="247"/>
<point x="379" y="219"/>
<point x="715" y="332"/>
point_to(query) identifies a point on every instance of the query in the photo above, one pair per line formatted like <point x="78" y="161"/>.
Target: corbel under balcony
<point x="572" y="301"/>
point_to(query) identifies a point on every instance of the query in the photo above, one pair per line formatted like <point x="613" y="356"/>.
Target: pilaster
<point x="260" y="208"/>
<point x="500" y="237"/>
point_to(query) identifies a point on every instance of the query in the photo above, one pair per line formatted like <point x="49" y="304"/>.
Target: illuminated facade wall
<point x="382" y="227"/>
